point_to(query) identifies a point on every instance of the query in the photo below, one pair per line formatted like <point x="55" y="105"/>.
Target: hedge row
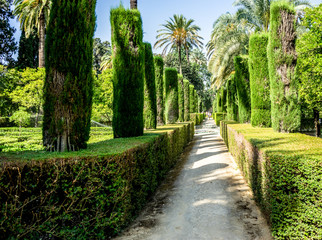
<point x="284" y="174"/>
<point x="87" y="196"/>
<point x="197" y="118"/>
<point x="219" y="116"/>
<point x="171" y="91"/>
<point x="232" y="107"/>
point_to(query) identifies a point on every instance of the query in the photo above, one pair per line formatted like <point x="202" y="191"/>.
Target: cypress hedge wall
<point x="68" y="88"/>
<point x="232" y="107"/>
<point x="219" y="101"/>
<point x="128" y="72"/>
<point x="171" y="101"/>
<point x="191" y="96"/>
<point x="196" y="101"/>
<point x="224" y="99"/>
<point x="259" y="81"/>
<point x="243" y="88"/>
<point x="186" y="100"/>
<point x="286" y="109"/>
<point x="150" y="105"/>
<point x="159" y="85"/>
<point x="180" y="98"/>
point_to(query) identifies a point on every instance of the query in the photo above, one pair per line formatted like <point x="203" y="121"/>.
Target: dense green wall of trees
<point x="171" y="101"/>
<point x="180" y="98"/>
<point x="186" y="100"/>
<point x="232" y="107"/>
<point x="159" y="85"/>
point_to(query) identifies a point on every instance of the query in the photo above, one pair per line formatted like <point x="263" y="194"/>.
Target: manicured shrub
<point x="286" y="109"/>
<point x="259" y="81"/>
<point x="89" y="194"/>
<point x="219" y="101"/>
<point x="219" y="116"/>
<point x="128" y="72"/>
<point x="285" y="176"/>
<point x="192" y="98"/>
<point x="224" y="99"/>
<point x="186" y="100"/>
<point x="243" y="88"/>
<point x="68" y="86"/>
<point x="150" y="105"/>
<point x="171" y="101"/>
<point x="232" y="107"/>
<point x="195" y="101"/>
<point x="158" y="65"/>
<point x="181" y="98"/>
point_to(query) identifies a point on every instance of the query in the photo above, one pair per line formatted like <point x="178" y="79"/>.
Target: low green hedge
<point x="197" y="118"/>
<point x="285" y="174"/>
<point x="219" y="116"/>
<point x="91" y="194"/>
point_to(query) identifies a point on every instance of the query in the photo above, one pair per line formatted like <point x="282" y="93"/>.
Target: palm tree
<point x="34" y="14"/>
<point x="257" y="12"/>
<point x="106" y="60"/>
<point x="179" y="33"/>
<point x="133" y="4"/>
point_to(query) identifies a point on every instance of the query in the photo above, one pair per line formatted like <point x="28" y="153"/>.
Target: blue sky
<point x="156" y="12"/>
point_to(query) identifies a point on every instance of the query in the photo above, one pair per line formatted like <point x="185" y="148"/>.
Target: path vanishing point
<point x="205" y="197"/>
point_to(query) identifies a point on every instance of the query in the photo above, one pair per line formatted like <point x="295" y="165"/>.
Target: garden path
<point x="204" y="197"/>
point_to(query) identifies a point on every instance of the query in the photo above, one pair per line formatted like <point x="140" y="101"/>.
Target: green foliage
<point x="150" y="105"/>
<point x="100" y="50"/>
<point x="219" y="116"/>
<point x="219" y="104"/>
<point x="128" y="72"/>
<point x="286" y="110"/>
<point x="181" y="98"/>
<point x="21" y="117"/>
<point x="191" y="98"/>
<point x="69" y="77"/>
<point x="159" y="85"/>
<point x="232" y="107"/>
<point x="197" y="118"/>
<point x="103" y="97"/>
<point x="195" y="103"/>
<point x="186" y="100"/>
<point x="284" y="172"/>
<point x="309" y="64"/>
<point x="259" y="81"/>
<point x="223" y="96"/>
<point x="171" y="90"/>
<point x="80" y="194"/>
<point x="28" y="51"/>
<point x="243" y="88"/>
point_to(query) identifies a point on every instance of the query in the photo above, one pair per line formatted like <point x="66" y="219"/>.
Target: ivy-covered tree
<point x="309" y="63"/>
<point x="68" y="87"/>
<point x="7" y="43"/>
<point x="28" y="51"/>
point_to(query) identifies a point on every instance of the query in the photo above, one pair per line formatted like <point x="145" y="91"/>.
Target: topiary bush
<point x="224" y="99"/>
<point x="150" y="105"/>
<point x="195" y="101"/>
<point x="159" y="85"/>
<point x="128" y="72"/>
<point x="181" y="98"/>
<point x="243" y="88"/>
<point x="186" y="100"/>
<point x="219" y="101"/>
<point x="232" y="107"/>
<point x="171" y="102"/>
<point x="192" y="98"/>
<point x="282" y="57"/>
<point x="68" y="87"/>
<point x="259" y="81"/>
<point x="219" y="117"/>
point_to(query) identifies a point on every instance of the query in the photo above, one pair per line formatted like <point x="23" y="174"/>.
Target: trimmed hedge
<point x="219" y="116"/>
<point x="68" y="87"/>
<point x="195" y="102"/>
<point x="219" y="104"/>
<point x="197" y="118"/>
<point x="86" y="196"/>
<point x="171" y="101"/>
<point x="128" y="72"/>
<point x="186" y="100"/>
<point x="282" y="58"/>
<point x="150" y="104"/>
<point x="232" y="107"/>
<point x="181" y="98"/>
<point x="159" y="85"/>
<point x="259" y="81"/>
<point x="285" y="176"/>
<point x="243" y="88"/>
<point x="192" y="98"/>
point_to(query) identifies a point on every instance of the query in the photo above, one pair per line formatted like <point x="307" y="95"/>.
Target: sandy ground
<point x="204" y="197"/>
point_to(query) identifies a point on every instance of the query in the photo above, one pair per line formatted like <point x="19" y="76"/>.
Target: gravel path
<point x="204" y="197"/>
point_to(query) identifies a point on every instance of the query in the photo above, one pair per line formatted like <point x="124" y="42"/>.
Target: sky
<point x="157" y="12"/>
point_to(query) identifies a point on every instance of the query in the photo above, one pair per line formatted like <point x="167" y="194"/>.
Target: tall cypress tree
<point x="195" y="101"/>
<point x="150" y="105"/>
<point x="171" y="101"/>
<point x="69" y="77"/>
<point x="232" y="108"/>
<point x="128" y="72"/>
<point x="186" y="100"/>
<point x="286" y="109"/>
<point x="192" y="98"/>
<point x="28" y="51"/>
<point x="181" y="98"/>
<point x="159" y="85"/>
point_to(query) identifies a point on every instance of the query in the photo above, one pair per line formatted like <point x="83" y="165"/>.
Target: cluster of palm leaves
<point x="230" y="34"/>
<point x="177" y="33"/>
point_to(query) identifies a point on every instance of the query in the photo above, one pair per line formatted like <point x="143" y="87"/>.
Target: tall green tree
<point x="179" y="33"/>
<point x="101" y="50"/>
<point x="159" y="85"/>
<point x="34" y="14"/>
<point x="68" y="87"/>
<point x="7" y="42"/>
<point x="309" y="63"/>
<point x="28" y="51"/>
<point x="171" y="89"/>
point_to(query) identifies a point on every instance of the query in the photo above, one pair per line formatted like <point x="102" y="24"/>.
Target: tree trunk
<point x="317" y="123"/>
<point x="134" y="4"/>
<point x="187" y="53"/>
<point x="180" y="65"/>
<point x="42" y="41"/>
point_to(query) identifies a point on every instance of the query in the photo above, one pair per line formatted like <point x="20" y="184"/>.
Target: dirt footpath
<point x="204" y="197"/>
